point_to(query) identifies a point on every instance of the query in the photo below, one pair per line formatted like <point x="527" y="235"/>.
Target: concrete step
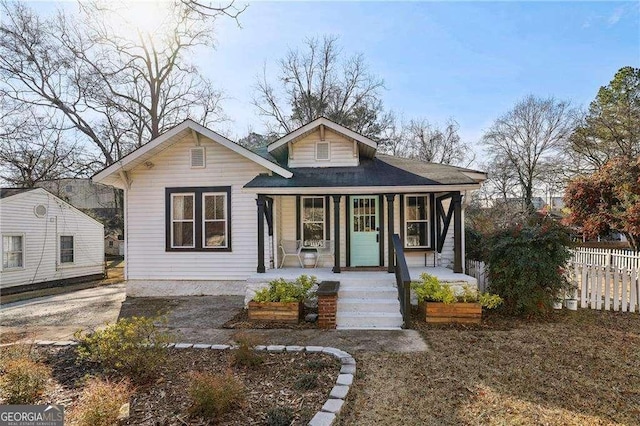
<point x="368" y="305"/>
<point x="368" y="293"/>
<point x="368" y="283"/>
<point x="369" y="320"/>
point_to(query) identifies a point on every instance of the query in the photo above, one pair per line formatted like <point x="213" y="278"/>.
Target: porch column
<point x="456" y="199"/>
<point x="390" y="221"/>
<point x="336" y="233"/>
<point x="260" y="202"/>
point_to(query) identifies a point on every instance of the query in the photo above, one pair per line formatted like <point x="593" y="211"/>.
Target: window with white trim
<point x="312" y="221"/>
<point x="12" y="251"/>
<point x="182" y="220"/>
<point x="66" y="249"/>
<point x="214" y="218"/>
<point x="198" y="218"/>
<point x="417" y="232"/>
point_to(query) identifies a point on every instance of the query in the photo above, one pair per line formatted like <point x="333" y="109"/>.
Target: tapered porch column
<point x="456" y="199"/>
<point x="390" y="222"/>
<point x="260" y="203"/>
<point x="336" y="233"/>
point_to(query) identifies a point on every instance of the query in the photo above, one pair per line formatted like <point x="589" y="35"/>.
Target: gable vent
<point x="197" y="157"/>
<point x="322" y="151"/>
<point x="40" y="210"/>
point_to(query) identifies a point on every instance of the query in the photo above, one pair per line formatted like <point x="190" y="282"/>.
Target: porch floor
<point x="325" y="274"/>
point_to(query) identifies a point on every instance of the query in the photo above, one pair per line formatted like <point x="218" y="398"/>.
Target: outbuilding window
<point x="12" y="251"/>
<point x="198" y="219"/>
<point x="66" y="249"/>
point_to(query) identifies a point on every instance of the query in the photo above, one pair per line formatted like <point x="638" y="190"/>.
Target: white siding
<point x="146" y="255"/>
<point x="340" y="151"/>
<point x="41" y="239"/>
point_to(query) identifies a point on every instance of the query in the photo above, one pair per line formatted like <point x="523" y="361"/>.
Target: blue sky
<point x="467" y="60"/>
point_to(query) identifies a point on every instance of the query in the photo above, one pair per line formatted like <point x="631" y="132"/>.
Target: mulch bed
<point x="241" y="321"/>
<point x="166" y="401"/>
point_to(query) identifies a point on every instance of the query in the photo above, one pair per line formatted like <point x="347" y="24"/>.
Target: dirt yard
<point x="577" y="368"/>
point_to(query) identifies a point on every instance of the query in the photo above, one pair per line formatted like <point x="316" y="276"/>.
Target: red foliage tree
<point x="608" y="200"/>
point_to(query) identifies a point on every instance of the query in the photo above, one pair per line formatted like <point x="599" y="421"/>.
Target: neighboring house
<point x="202" y="211"/>
<point x="113" y="246"/>
<point x="97" y="200"/>
<point x="46" y="242"/>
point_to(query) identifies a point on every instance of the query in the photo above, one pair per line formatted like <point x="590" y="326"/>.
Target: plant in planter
<point x="441" y="304"/>
<point x="281" y="300"/>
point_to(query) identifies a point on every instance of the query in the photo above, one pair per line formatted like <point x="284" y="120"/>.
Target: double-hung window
<point x="182" y="220"/>
<point x="416" y="221"/>
<point x="66" y="249"/>
<point x="198" y="219"/>
<point x="12" y="251"/>
<point x="312" y="221"/>
<point x="215" y="220"/>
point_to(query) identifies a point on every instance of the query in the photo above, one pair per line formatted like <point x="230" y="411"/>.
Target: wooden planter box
<point x="465" y="313"/>
<point x="275" y="311"/>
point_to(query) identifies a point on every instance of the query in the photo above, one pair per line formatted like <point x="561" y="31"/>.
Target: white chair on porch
<point x="325" y="250"/>
<point x="291" y="248"/>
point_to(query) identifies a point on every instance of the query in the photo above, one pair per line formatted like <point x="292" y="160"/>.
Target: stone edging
<point x="327" y="414"/>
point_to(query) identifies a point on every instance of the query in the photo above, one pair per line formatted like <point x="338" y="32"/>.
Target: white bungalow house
<point x="203" y="215"/>
<point x="46" y="242"/>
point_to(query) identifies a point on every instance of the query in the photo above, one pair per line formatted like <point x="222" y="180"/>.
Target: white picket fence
<point x="606" y="287"/>
<point x="477" y="270"/>
<point x="602" y="278"/>
<point x="607" y="257"/>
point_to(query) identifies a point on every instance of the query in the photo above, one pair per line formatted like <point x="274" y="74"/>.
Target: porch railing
<point x="403" y="281"/>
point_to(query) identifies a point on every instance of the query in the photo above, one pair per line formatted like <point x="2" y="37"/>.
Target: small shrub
<point x="430" y="289"/>
<point x="525" y="266"/>
<point x="100" y="403"/>
<point x="214" y="395"/>
<point x="135" y="347"/>
<point x="245" y="355"/>
<point x="306" y="381"/>
<point x="280" y="290"/>
<point x="23" y="381"/>
<point x="280" y="416"/>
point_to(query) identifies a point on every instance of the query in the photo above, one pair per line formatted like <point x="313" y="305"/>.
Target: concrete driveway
<point x="58" y="317"/>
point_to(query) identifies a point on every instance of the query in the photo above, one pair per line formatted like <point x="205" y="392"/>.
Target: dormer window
<point x="322" y="151"/>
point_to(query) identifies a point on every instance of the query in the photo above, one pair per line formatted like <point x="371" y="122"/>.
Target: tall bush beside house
<point x="526" y="266"/>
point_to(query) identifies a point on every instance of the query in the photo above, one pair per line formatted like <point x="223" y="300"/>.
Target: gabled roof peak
<point x="312" y="126"/>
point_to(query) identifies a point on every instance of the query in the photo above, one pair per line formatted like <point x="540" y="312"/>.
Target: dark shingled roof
<point x="383" y="170"/>
<point x="8" y="192"/>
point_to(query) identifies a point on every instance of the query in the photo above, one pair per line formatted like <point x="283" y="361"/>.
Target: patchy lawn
<point x="576" y="368"/>
<point x="298" y="381"/>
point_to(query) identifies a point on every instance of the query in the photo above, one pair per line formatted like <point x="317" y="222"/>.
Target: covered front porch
<point x="358" y="228"/>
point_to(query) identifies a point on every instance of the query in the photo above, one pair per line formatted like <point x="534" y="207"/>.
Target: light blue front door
<point x="364" y="231"/>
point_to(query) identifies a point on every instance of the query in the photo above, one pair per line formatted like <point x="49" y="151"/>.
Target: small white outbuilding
<point x="46" y="242"/>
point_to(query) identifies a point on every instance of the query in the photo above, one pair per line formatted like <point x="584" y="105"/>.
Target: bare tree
<point x="320" y="81"/>
<point x="33" y="149"/>
<point x="429" y="143"/>
<point x="502" y="182"/>
<point x="531" y="138"/>
<point x="115" y="91"/>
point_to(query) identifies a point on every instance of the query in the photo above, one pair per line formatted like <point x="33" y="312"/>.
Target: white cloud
<point x="615" y="16"/>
